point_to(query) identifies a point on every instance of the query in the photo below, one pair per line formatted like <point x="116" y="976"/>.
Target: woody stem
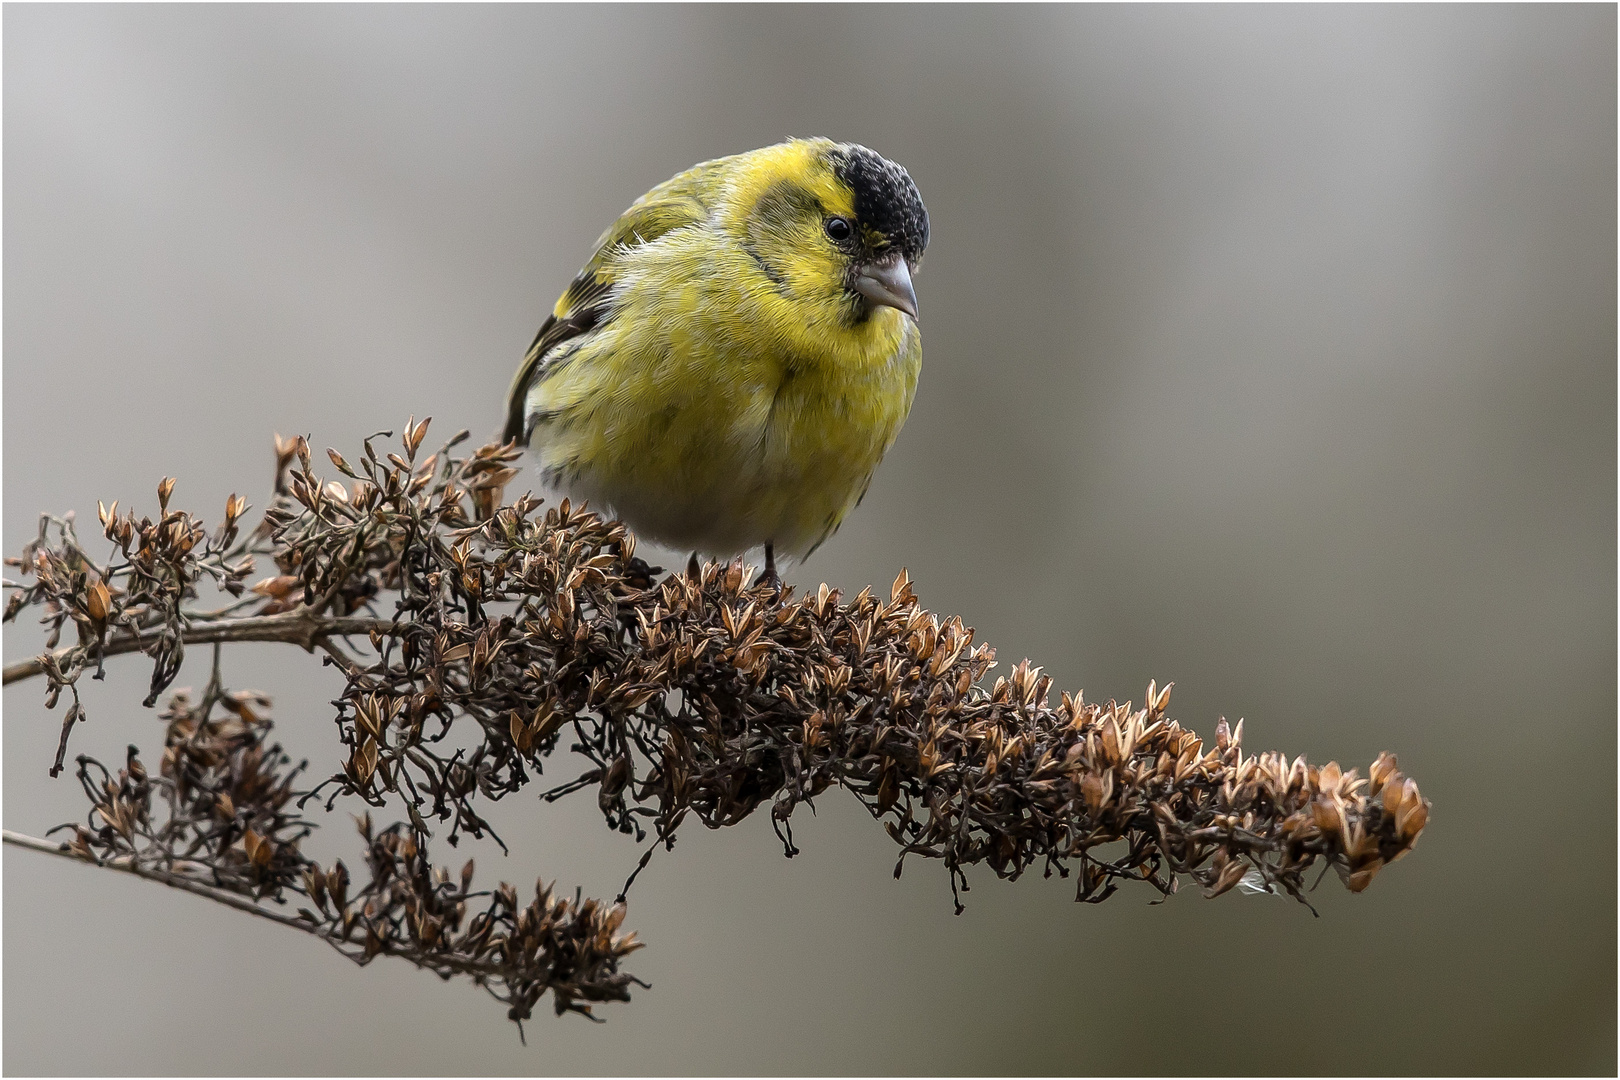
<point x="299" y="627"/>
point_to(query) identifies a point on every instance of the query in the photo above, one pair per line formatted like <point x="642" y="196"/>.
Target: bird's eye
<point x="838" y="228"/>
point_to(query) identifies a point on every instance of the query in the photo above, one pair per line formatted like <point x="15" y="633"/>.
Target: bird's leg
<point x="771" y="578"/>
<point x="637" y="570"/>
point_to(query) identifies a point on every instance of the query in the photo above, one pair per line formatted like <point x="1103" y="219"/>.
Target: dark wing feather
<point x="674" y="204"/>
<point x="588" y="308"/>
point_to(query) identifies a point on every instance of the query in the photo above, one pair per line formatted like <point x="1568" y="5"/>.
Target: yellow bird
<point x="731" y="365"/>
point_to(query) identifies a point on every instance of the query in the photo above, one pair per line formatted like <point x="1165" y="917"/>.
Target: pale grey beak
<point x="888" y="284"/>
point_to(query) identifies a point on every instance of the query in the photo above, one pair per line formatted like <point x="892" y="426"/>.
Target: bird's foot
<point x="770" y="577"/>
<point x="639" y="574"/>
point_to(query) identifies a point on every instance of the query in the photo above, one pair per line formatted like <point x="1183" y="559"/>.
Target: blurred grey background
<point x="1269" y="350"/>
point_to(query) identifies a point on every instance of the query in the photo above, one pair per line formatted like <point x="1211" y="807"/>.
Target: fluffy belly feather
<point x="778" y="454"/>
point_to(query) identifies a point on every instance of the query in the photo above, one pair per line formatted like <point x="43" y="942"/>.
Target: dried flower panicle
<point x="474" y="638"/>
<point x="156" y="567"/>
<point x="223" y="793"/>
<point x="216" y="817"/>
<point x="516" y="951"/>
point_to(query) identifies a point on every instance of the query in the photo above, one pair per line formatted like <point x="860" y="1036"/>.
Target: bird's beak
<point x="889" y="284"/>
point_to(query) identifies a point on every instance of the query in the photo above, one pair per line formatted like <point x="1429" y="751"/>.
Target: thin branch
<point x="174" y="881"/>
<point x="292" y="627"/>
<point x="443" y="962"/>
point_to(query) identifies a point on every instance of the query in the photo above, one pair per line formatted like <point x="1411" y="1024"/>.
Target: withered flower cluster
<point x="703" y="694"/>
<point x="216" y="821"/>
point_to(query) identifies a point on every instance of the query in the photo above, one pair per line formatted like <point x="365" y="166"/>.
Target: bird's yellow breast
<point x="716" y="411"/>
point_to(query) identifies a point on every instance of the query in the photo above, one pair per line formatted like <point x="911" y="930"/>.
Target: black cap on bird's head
<point x="886" y="199"/>
<point x="890" y="212"/>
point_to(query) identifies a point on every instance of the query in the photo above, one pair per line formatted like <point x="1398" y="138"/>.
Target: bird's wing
<point x="587" y="303"/>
